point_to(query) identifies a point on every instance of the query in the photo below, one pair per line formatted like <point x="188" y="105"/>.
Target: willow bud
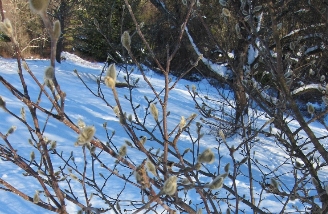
<point x="126" y="40"/>
<point x="36" y="197"/>
<point x="122" y="151"/>
<point x="217" y="183"/>
<point x="206" y="157"/>
<point x="182" y="123"/>
<point x="56" y="29"/>
<point x="310" y="108"/>
<point x="143" y="140"/>
<point x="86" y="135"/>
<point x="49" y="73"/>
<point x="151" y="167"/>
<point x="39" y="6"/>
<point x="6" y="27"/>
<point x="170" y="185"/>
<point x="154" y="111"/>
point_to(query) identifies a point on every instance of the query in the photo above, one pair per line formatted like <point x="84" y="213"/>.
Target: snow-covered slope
<point x="81" y="104"/>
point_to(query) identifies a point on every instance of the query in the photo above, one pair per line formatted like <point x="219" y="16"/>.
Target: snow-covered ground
<point x="81" y="104"/>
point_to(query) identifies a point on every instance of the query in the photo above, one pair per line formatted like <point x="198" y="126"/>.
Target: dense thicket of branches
<point x="270" y="54"/>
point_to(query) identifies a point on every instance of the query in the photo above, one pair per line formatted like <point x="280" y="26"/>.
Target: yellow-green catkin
<point x="36" y="198"/>
<point x="217" y="183"/>
<point x="154" y="111"/>
<point x="126" y="40"/>
<point x="198" y="166"/>
<point x="206" y="156"/>
<point x="86" y="135"/>
<point x="81" y="124"/>
<point x="49" y="73"/>
<point x="274" y="183"/>
<point x="11" y="130"/>
<point x="111" y="71"/>
<point x="116" y="111"/>
<point x="185" y="181"/>
<point x="53" y="145"/>
<point x="110" y="79"/>
<point x="170" y="185"/>
<point x="6" y="27"/>
<point x="74" y="177"/>
<point x="32" y="156"/>
<point x="50" y="84"/>
<point x="143" y="140"/>
<point x="56" y="29"/>
<point x="39" y="6"/>
<point x="221" y="134"/>
<point x="182" y="123"/>
<point x="151" y="167"/>
<point x="310" y="108"/>
<point x="122" y="151"/>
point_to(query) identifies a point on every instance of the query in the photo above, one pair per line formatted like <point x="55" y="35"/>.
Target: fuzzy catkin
<point x="126" y="40"/>
<point x="39" y="6"/>
<point x="86" y="135"/>
<point x="36" y="197"/>
<point x="182" y="123"/>
<point x="6" y="27"/>
<point x="122" y="151"/>
<point x="143" y="140"/>
<point x="56" y="29"/>
<point x="170" y="185"/>
<point x="154" y="111"/>
<point x="206" y="156"/>
<point x="49" y="73"/>
<point x="151" y="167"/>
<point x="111" y="71"/>
<point x="217" y="183"/>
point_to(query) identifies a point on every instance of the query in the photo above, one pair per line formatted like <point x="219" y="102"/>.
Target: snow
<point x="81" y="104"/>
<point x="217" y="68"/>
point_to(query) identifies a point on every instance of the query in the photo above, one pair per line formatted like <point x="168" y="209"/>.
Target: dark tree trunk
<point x="61" y="15"/>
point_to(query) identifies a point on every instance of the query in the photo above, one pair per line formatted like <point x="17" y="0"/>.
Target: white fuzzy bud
<point x="151" y="167"/>
<point x="81" y="124"/>
<point x="49" y="73"/>
<point x="154" y="111"/>
<point x="126" y="40"/>
<point x="182" y="123"/>
<point x="36" y="197"/>
<point x="221" y="134"/>
<point x="56" y="29"/>
<point x="170" y="185"/>
<point x="143" y="140"/>
<point x="206" y="156"/>
<point x="86" y="135"/>
<point x="217" y="183"/>
<point x="6" y="27"/>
